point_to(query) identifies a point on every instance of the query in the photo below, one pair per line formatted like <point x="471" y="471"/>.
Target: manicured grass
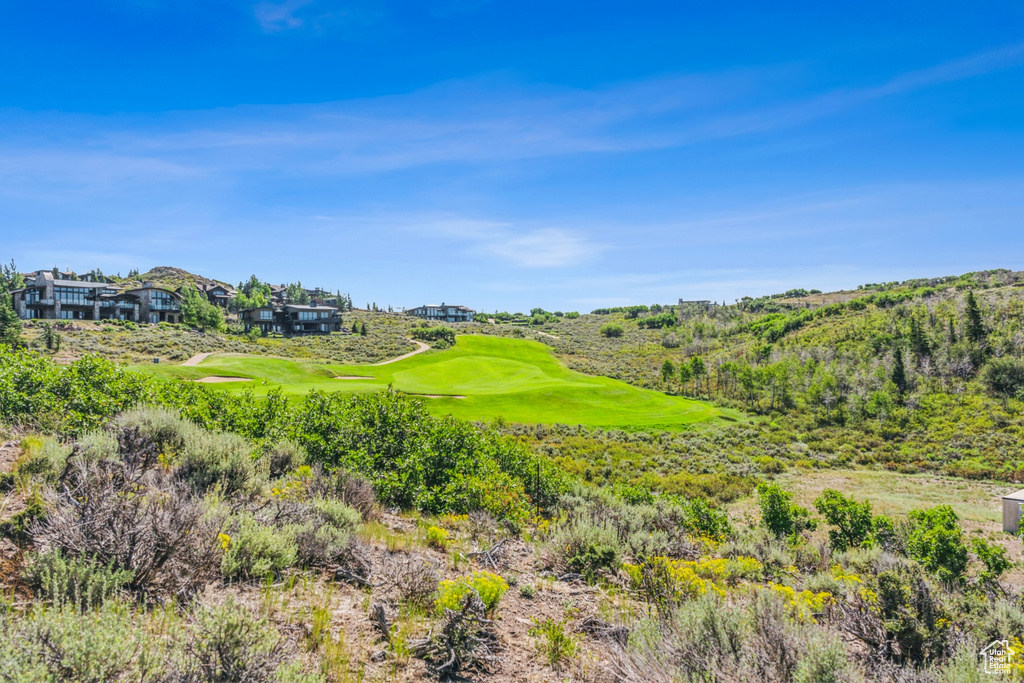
<point x="517" y="379"/>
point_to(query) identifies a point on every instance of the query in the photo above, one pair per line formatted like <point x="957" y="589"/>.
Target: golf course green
<point x="480" y="378"/>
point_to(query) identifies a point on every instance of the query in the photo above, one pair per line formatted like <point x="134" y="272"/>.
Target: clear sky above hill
<point x="513" y="154"/>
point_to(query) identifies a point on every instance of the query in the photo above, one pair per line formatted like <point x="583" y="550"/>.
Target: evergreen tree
<point x="10" y="326"/>
<point x="975" y="329"/>
<point x="918" y="340"/>
<point x="362" y="329"/>
<point x="899" y="372"/>
<point x="355" y="327"/>
<point x="951" y="328"/>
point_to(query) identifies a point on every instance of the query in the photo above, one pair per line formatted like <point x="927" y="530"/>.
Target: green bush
<point x="254" y="550"/>
<point x="218" y="459"/>
<point x="778" y="514"/>
<point x="852" y="520"/>
<point x="81" y="583"/>
<point x="231" y="644"/>
<point x="437" y="538"/>
<point x="490" y="587"/>
<point x="161" y="426"/>
<point x="936" y="541"/>
<point x="441" y="337"/>
<point x="556" y="644"/>
<point x="584" y="547"/>
<point x="284" y="456"/>
<point x="64" y="644"/>
<point x="611" y="330"/>
<point x="993" y="557"/>
<point x="43" y="460"/>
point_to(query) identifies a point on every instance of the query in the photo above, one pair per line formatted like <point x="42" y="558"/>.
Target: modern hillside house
<point x="292" y="319"/>
<point x="219" y="295"/>
<point x="447" y="313"/>
<point x="47" y="298"/>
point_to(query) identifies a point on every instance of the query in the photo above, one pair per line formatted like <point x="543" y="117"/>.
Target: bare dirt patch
<point x="218" y="380"/>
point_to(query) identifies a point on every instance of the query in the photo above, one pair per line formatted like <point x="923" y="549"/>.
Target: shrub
<point x="556" y="645"/>
<point x="443" y="337"/>
<point x="993" y="557"/>
<point x="704" y="520"/>
<point x="218" y="459"/>
<point x="852" y="520"/>
<point x="778" y="514"/>
<point x="413" y="576"/>
<point x="161" y="426"/>
<point x="351" y="489"/>
<point x="284" y="456"/>
<point x="98" y="445"/>
<point x="255" y="550"/>
<point x="936" y="540"/>
<point x="611" y="330"/>
<point x="527" y="591"/>
<point x="124" y="515"/>
<point x="490" y="587"/>
<point x="61" y="643"/>
<point x="437" y="538"/>
<point x="584" y="547"/>
<point x="230" y="644"/>
<point x="337" y="514"/>
<point x="81" y="583"/>
<point x="43" y="460"/>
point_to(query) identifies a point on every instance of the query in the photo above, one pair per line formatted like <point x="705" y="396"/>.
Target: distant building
<point x="447" y="313"/>
<point x="292" y="319"/>
<point x="218" y="295"/>
<point x="156" y="304"/>
<point x="45" y="297"/>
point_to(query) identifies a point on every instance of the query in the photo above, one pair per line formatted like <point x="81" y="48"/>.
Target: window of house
<point x="73" y="296"/>
<point x="266" y="315"/>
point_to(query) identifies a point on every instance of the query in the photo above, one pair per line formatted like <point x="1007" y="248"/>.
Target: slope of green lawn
<point x="517" y="379"/>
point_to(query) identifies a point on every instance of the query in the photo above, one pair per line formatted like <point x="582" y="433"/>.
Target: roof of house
<point x="1016" y="495"/>
<point x="83" y="284"/>
<point x="300" y="307"/>
<point x="462" y="308"/>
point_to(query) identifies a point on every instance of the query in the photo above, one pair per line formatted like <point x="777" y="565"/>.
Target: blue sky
<point x="509" y="155"/>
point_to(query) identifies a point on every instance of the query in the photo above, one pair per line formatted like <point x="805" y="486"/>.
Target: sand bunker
<point x="353" y="377"/>
<point x="218" y="380"/>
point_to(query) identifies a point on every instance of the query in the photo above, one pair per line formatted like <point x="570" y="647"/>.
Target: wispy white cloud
<point x="275" y="16"/>
<point x="544" y="248"/>
<point x="482" y="121"/>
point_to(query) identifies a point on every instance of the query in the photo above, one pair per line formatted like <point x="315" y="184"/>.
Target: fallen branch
<point x="491" y="555"/>
<point x="464" y="640"/>
<point x="379" y="619"/>
<point x="605" y="631"/>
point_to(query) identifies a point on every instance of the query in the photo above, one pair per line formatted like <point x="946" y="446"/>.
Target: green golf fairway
<point x="517" y="379"/>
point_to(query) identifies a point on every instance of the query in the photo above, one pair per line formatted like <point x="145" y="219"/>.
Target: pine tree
<point x="362" y="329"/>
<point x="899" y="373"/>
<point x="10" y="326"/>
<point x="918" y="340"/>
<point x="952" y="330"/>
<point x="975" y="329"/>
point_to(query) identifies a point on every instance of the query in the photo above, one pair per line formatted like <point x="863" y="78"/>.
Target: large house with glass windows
<point x="449" y="313"/>
<point x="45" y="297"/>
<point x="292" y="319"/>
